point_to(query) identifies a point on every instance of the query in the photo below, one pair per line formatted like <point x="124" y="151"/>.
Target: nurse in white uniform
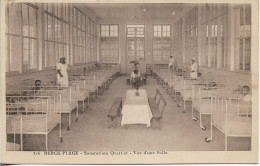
<point x="193" y="69"/>
<point x="62" y="77"/>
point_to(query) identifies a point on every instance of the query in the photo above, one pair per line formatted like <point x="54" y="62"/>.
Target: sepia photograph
<point x="123" y="79"/>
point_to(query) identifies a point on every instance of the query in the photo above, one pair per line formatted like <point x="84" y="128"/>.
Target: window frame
<point x="110" y="41"/>
<point x="158" y="53"/>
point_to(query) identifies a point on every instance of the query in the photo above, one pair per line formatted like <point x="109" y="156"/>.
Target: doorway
<point x="135" y="47"/>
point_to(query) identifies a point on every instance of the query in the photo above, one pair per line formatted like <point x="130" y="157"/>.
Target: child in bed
<point x="246" y="96"/>
<point x="35" y="89"/>
<point x="246" y="102"/>
<point x="85" y="71"/>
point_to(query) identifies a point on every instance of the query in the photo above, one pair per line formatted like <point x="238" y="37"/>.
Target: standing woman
<point x="62" y="77"/>
<point x="193" y="69"/>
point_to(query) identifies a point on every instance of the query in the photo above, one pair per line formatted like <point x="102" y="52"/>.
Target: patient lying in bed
<point x="35" y="89"/>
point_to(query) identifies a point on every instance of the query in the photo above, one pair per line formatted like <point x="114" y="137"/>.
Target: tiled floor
<point x="179" y="131"/>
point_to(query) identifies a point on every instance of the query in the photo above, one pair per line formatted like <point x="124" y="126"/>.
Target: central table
<point x="136" y="109"/>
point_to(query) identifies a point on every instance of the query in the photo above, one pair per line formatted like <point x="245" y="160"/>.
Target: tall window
<point x="243" y="37"/>
<point x="214" y="36"/>
<point x="56" y="33"/>
<point x="79" y="36"/>
<point x="109" y="48"/>
<point x="91" y="44"/>
<point x="177" y="42"/>
<point x="94" y="47"/>
<point x="135" y="42"/>
<point x="191" y="35"/>
<point x="161" y="44"/>
<point x="21" y="35"/>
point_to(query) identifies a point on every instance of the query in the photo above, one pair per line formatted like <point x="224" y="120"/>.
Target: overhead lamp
<point x="173" y="13"/>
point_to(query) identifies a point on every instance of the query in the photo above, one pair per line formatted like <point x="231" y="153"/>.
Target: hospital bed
<point x="39" y="115"/>
<point x="230" y="115"/>
<point x="201" y="99"/>
<point x="69" y="96"/>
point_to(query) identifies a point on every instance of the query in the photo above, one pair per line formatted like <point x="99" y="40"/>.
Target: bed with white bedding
<point x="38" y="115"/>
<point x="232" y="116"/>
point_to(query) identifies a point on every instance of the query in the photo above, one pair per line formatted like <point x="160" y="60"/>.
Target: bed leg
<point x="192" y="116"/>
<point x="174" y="95"/>
<point x="77" y="115"/>
<point x="226" y="132"/>
<point x="225" y="142"/>
<point x="211" y="121"/>
<point x="184" y="107"/>
<point x="200" y="121"/>
<point x="68" y="128"/>
<point x="46" y="141"/>
<point x="208" y="139"/>
<point x="21" y="141"/>
<point x="160" y="123"/>
<point x="60" y="130"/>
<point x="83" y="107"/>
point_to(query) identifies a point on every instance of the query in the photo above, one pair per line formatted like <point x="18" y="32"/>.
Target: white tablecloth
<point x="136" y="109"/>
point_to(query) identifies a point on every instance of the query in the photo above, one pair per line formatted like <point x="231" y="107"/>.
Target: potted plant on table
<point x="137" y="84"/>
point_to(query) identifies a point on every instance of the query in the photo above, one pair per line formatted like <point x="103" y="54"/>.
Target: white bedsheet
<point x="32" y="123"/>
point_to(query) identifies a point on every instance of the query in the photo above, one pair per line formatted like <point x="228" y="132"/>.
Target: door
<point x="135" y="47"/>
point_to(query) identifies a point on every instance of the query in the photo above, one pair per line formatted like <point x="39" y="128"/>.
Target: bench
<point x="114" y="112"/>
<point x="157" y="105"/>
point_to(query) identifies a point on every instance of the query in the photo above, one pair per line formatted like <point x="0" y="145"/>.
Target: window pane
<point x="104" y="30"/>
<point x="45" y="26"/>
<point x="14" y="18"/>
<point x="56" y="9"/>
<point x="50" y="7"/>
<point x="83" y="22"/>
<point x="247" y="14"/>
<point x="247" y="54"/>
<point x="15" y="53"/>
<point x="244" y="43"/>
<point x="241" y="54"/>
<point x="114" y="30"/>
<point x="33" y="53"/>
<point x="60" y="10"/>
<point x="25" y="20"/>
<point x="26" y="53"/>
<point x="32" y="21"/>
<point x="50" y="28"/>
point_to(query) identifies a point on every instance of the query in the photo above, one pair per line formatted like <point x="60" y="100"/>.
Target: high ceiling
<point x="136" y="10"/>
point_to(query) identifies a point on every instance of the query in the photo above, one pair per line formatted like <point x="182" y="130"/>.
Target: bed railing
<point x="40" y="114"/>
<point x="229" y="117"/>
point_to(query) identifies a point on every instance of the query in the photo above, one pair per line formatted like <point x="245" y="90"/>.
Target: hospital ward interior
<point x="128" y="77"/>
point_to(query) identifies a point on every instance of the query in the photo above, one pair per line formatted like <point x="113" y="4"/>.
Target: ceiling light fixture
<point x="144" y="10"/>
<point x="173" y="13"/>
